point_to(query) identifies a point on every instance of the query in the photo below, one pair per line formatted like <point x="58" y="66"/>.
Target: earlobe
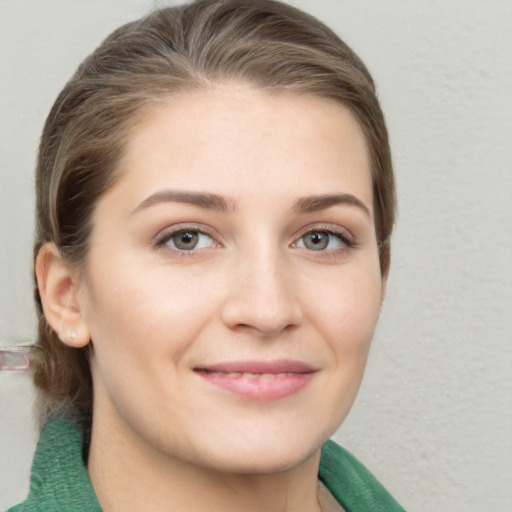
<point x="59" y="288"/>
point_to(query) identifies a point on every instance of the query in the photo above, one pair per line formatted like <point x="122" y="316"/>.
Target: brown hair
<point x="265" y="43"/>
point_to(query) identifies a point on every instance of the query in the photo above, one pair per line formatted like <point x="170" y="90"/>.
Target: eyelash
<point x="346" y="241"/>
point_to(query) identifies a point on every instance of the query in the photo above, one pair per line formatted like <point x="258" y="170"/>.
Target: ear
<point x="59" y="287"/>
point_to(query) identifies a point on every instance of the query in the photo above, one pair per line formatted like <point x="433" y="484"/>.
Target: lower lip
<point x="266" y="387"/>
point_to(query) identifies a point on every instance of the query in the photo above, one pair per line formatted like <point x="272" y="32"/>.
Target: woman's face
<point x="233" y="280"/>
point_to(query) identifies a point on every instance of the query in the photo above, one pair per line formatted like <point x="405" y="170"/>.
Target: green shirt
<point x="59" y="481"/>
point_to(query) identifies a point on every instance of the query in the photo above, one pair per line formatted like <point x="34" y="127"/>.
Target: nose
<point x="262" y="296"/>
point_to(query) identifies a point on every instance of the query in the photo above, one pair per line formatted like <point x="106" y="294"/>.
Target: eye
<point x="323" y="240"/>
<point x="186" y="240"/>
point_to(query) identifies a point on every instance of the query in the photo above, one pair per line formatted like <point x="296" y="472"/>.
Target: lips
<point x="258" y="380"/>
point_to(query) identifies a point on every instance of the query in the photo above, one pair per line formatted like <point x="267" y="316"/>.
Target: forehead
<point x="235" y="140"/>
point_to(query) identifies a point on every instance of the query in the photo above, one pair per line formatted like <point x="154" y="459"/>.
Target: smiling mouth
<point x="258" y="380"/>
<point x="249" y="375"/>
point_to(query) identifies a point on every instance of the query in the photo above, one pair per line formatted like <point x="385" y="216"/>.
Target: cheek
<point x="134" y="327"/>
<point x="350" y="314"/>
<point x="143" y="320"/>
<point x="130" y="296"/>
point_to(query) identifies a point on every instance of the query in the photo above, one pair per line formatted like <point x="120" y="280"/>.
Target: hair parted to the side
<point x="264" y="43"/>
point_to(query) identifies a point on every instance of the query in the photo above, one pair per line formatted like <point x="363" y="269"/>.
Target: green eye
<point x="323" y="240"/>
<point x="316" y="240"/>
<point x="187" y="240"/>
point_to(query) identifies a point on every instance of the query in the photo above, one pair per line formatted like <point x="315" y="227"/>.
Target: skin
<point x="252" y="289"/>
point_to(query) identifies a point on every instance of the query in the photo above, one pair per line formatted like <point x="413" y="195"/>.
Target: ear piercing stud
<point x="72" y="336"/>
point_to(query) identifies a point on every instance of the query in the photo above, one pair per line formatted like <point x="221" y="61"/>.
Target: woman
<point x="215" y="201"/>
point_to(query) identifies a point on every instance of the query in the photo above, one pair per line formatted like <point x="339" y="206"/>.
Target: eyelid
<point x="328" y="227"/>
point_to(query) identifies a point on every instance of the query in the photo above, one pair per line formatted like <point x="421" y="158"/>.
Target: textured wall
<point x="434" y="416"/>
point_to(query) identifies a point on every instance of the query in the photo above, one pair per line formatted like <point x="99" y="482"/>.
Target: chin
<point x="264" y="462"/>
<point x="267" y="452"/>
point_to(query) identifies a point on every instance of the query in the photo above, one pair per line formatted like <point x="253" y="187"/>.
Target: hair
<point x="263" y="43"/>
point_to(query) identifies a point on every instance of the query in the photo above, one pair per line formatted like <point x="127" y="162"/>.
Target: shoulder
<point x="59" y="478"/>
<point x="352" y="484"/>
<point x="18" y="508"/>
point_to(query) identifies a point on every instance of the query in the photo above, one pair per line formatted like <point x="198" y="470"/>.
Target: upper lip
<point x="252" y="366"/>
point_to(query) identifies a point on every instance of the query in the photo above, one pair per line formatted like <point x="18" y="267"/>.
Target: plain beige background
<point x="433" y="420"/>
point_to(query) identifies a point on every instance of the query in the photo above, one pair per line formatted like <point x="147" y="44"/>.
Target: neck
<point x="129" y="474"/>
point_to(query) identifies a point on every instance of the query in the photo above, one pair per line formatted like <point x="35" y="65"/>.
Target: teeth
<point x="247" y="375"/>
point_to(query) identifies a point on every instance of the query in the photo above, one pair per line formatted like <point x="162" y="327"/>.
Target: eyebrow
<point x="321" y="202"/>
<point x="224" y="204"/>
<point x="201" y="199"/>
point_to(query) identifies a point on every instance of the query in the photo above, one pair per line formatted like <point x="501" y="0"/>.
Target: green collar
<point x="60" y="482"/>
<point x="355" y="488"/>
